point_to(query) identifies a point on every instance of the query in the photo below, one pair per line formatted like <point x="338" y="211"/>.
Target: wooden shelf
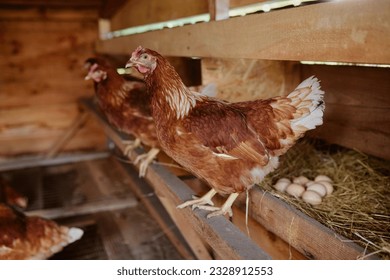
<point x="305" y="234"/>
<point x="345" y="31"/>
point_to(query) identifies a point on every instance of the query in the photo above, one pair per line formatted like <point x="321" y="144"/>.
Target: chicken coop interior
<point x="69" y="187"/>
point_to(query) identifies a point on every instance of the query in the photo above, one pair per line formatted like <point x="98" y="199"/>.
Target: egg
<point x="284" y="180"/>
<point x="309" y="183"/>
<point x="318" y="188"/>
<point x="311" y="197"/>
<point x="328" y="186"/>
<point x="295" y="190"/>
<point x="301" y="180"/>
<point x="323" y="178"/>
<point x="282" y="184"/>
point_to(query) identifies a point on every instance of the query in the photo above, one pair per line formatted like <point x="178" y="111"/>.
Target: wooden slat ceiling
<point x="106" y="8"/>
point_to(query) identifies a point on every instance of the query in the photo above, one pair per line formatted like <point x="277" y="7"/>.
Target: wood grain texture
<point x="357" y="107"/>
<point x="276" y="248"/>
<point x="32" y="13"/>
<point x="135" y="13"/>
<point x="249" y="79"/>
<point x="41" y="61"/>
<point x="351" y="31"/>
<point x="35" y="129"/>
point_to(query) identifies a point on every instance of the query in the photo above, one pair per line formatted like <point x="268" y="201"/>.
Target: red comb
<point x="137" y="51"/>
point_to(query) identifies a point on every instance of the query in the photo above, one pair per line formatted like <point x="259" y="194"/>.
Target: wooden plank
<point x="351" y="85"/>
<point x="34" y="161"/>
<point x="50" y="3"/>
<point x="369" y="141"/>
<point x="350" y="31"/>
<point x="31" y="14"/>
<point x="107" y="204"/>
<point x="35" y="129"/>
<point x="218" y="232"/>
<point x="135" y="13"/>
<point x="357" y="105"/>
<point x="307" y="235"/>
<point x="272" y="244"/>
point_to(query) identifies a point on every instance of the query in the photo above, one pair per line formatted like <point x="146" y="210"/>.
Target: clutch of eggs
<point x="311" y="192"/>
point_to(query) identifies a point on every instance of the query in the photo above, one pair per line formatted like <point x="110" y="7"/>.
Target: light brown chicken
<point x="231" y="146"/>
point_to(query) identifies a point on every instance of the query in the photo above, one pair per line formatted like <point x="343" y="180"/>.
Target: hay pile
<point x="359" y="208"/>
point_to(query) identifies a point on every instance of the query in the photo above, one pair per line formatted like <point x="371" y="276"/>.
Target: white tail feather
<point x="316" y="108"/>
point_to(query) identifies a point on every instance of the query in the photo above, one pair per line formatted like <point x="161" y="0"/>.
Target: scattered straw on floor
<point x="359" y="208"/>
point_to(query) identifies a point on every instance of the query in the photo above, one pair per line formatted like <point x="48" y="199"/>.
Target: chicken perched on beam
<point x="231" y="146"/>
<point x="126" y="104"/>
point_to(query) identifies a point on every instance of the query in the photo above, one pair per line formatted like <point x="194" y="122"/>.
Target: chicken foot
<point x="225" y="209"/>
<point x="145" y="160"/>
<point x="198" y="202"/>
<point x="130" y="145"/>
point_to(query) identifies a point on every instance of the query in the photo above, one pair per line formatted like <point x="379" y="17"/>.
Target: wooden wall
<point x="357" y="113"/>
<point x="41" y="64"/>
<point x="248" y="79"/>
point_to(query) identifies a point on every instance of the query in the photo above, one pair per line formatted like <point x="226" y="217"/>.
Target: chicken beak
<point x="88" y="77"/>
<point x="130" y="64"/>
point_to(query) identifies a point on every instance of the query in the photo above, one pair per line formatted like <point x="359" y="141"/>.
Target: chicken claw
<point x="199" y="202"/>
<point x="130" y="145"/>
<point x="145" y="160"/>
<point x="225" y="209"/>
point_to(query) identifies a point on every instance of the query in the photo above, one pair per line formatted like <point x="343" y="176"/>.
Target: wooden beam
<point x="349" y="31"/>
<point x="218" y="232"/>
<point x="136" y="12"/>
<point x="67" y="135"/>
<point x="34" y="161"/>
<point x="272" y="244"/>
<point x="107" y="204"/>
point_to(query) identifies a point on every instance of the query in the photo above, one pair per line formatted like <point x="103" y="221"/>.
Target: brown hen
<point x="231" y="146"/>
<point x="126" y="104"/>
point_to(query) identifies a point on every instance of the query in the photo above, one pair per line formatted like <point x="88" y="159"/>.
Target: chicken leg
<point x="226" y="207"/>
<point x="145" y="160"/>
<point x="130" y="145"/>
<point x="198" y="202"/>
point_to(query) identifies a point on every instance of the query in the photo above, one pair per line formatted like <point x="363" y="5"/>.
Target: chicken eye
<point x="145" y="56"/>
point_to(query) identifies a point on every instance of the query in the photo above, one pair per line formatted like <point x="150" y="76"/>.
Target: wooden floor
<point x="94" y="195"/>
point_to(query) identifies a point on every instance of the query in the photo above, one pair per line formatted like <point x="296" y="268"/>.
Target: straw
<point x="359" y="207"/>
